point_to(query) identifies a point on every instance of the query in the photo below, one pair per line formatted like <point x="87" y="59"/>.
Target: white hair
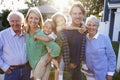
<point x="15" y="13"/>
<point x="94" y="19"/>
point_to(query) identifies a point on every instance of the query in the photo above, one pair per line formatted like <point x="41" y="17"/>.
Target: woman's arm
<point x="110" y="56"/>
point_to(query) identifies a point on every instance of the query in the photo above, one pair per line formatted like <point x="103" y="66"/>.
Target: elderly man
<point x="13" y="56"/>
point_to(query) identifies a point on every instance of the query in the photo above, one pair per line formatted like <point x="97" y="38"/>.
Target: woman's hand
<point x="87" y="70"/>
<point x="36" y="37"/>
<point x="108" y="77"/>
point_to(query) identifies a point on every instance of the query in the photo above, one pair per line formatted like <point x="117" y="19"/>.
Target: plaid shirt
<point x="63" y="43"/>
<point x="83" y="58"/>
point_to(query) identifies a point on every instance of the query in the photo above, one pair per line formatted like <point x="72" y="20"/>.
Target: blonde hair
<point x="37" y="12"/>
<point x="56" y="15"/>
<point x="79" y="5"/>
<point x="52" y="24"/>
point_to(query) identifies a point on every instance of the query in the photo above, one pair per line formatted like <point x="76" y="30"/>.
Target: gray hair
<point x="93" y="18"/>
<point x="15" y="13"/>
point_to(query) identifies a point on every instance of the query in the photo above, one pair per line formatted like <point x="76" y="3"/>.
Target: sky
<point x="12" y="4"/>
<point x="20" y="4"/>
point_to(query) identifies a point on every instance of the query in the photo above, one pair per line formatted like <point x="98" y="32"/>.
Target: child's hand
<point x="82" y="30"/>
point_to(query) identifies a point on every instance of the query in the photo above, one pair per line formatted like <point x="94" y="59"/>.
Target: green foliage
<point x="93" y="7"/>
<point x="4" y="17"/>
<point x="24" y="11"/>
<point x="116" y="48"/>
<point x="32" y="3"/>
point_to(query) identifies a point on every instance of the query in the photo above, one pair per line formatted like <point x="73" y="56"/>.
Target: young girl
<point x="49" y="29"/>
<point x="60" y="23"/>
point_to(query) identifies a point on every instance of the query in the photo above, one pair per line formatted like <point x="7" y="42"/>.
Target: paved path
<point x="1" y="76"/>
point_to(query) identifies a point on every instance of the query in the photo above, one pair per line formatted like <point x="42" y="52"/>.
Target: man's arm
<point x="3" y="65"/>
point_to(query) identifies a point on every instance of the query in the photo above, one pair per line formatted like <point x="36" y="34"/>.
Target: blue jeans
<point x="73" y="74"/>
<point x="19" y="74"/>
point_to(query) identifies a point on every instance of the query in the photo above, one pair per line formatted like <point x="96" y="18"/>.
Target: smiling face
<point x="92" y="27"/>
<point x="47" y="28"/>
<point x="15" y="22"/>
<point x="77" y="16"/>
<point x="33" y="20"/>
<point x="60" y="20"/>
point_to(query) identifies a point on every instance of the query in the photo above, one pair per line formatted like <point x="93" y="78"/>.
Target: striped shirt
<point x="12" y="49"/>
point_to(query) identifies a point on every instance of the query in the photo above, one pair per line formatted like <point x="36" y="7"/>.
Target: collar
<point x="14" y="34"/>
<point x="95" y="37"/>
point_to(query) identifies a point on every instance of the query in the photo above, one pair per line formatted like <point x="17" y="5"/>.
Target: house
<point x="112" y="15"/>
<point x="47" y="10"/>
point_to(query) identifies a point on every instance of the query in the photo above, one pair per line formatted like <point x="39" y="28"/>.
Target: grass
<point x="116" y="48"/>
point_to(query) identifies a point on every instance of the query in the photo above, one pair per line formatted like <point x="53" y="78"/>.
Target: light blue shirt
<point x="12" y="49"/>
<point x="100" y="56"/>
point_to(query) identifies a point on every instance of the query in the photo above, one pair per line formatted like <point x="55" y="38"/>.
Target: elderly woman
<point x="100" y="56"/>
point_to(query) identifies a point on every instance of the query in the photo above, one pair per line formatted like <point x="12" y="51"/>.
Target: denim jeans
<point x="73" y="74"/>
<point x="19" y="74"/>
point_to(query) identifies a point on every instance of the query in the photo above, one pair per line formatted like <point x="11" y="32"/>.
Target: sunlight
<point x="61" y="4"/>
<point x="13" y="5"/>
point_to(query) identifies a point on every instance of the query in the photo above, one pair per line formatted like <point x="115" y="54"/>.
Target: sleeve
<point x="59" y="41"/>
<point x="110" y="56"/>
<point x="53" y="36"/>
<point x="3" y="65"/>
<point x="83" y="58"/>
<point x="55" y="49"/>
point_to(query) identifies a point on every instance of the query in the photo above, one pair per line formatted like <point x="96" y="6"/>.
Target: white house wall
<point x="104" y="27"/>
<point x="116" y="29"/>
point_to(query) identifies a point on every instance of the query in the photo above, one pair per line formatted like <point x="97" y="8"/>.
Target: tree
<point x="93" y="7"/>
<point x="32" y="3"/>
<point x="4" y="17"/>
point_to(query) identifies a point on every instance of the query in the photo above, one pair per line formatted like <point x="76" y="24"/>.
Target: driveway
<point x="1" y="76"/>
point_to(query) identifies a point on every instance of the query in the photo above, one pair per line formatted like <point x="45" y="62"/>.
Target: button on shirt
<point x="12" y="49"/>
